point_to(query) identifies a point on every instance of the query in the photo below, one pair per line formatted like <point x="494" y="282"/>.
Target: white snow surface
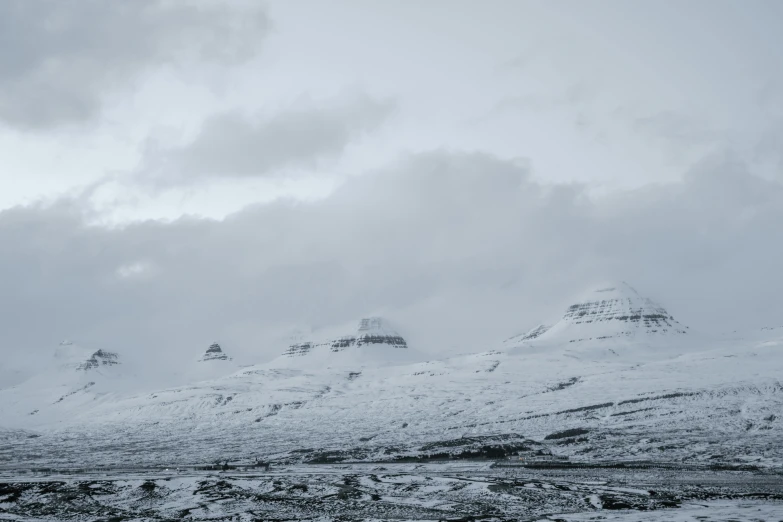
<point x="711" y="511"/>
<point x="639" y="388"/>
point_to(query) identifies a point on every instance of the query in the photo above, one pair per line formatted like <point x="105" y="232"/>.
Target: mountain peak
<point x="375" y="330"/>
<point x="609" y="311"/>
<point x="622" y="303"/>
<point x="214" y="353"/>
<point x="370" y="342"/>
<point x="369" y="331"/>
<point x="613" y="290"/>
<point x="98" y="359"/>
<point x="71" y="355"/>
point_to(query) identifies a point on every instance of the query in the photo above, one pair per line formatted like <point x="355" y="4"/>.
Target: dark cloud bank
<point x="60" y="58"/>
<point x="461" y="249"/>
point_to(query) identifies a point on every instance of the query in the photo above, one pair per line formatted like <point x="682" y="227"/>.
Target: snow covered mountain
<point x="614" y="311"/>
<point x="616" y="376"/>
<point x="98" y="359"/>
<point x="213" y="363"/>
<point x="71" y="379"/>
<point x="613" y="320"/>
<point x="70" y="355"/>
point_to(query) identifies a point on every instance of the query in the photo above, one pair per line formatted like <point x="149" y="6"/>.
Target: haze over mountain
<point x="176" y="173"/>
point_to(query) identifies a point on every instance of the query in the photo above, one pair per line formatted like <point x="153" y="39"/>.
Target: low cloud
<point x="59" y="59"/>
<point x="461" y="249"/>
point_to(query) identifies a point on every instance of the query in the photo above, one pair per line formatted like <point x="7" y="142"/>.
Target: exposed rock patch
<point x="372" y="331"/>
<point x="98" y="359"/>
<point x="215" y="353"/>
<point x="623" y="305"/>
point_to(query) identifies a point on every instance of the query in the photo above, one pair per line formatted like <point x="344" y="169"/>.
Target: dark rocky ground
<point x="444" y="491"/>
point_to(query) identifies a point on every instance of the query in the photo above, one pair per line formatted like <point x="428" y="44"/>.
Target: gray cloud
<point x="232" y="145"/>
<point x="577" y="97"/>
<point x="675" y="127"/>
<point x="58" y="59"/>
<point x="461" y="249"/>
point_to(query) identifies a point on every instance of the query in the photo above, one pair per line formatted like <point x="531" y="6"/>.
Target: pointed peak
<point x="98" y="359"/>
<point x="609" y="290"/>
<point x="214" y="353"/>
<point x="72" y="356"/>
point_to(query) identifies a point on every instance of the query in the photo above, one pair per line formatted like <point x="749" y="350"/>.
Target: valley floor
<point x="443" y="491"/>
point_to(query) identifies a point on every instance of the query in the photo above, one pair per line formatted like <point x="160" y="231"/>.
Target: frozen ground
<point x="712" y="511"/>
<point x="397" y="492"/>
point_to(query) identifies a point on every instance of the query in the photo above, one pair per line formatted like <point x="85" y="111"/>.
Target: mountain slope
<point x="72" y="380"/>
<point x="724" y="402"/>
<point x="650" y="394"/>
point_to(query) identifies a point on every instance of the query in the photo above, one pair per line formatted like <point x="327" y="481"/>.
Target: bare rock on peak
<point x="214" y="353"/>
<point x="609" y="312"/>
<point x="98" y="359"/>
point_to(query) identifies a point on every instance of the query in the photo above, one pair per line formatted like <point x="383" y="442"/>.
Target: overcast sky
<point x="179" y="172"/>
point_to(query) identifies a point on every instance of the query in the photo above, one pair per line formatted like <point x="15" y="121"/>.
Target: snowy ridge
<point x="533" y="333"/>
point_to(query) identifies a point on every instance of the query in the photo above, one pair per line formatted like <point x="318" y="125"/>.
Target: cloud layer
<point x="462" y="249"/>
<point x="234" y="145"/>
<point x="177" y="110"/>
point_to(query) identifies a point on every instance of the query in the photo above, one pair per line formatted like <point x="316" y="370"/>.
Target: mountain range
<point x="616" y="376"/>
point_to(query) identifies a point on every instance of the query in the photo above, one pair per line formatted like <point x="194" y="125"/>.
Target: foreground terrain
<point x="446" y="491"/>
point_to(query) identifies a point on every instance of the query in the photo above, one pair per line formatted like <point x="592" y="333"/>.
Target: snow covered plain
<point x="616" y="378"/>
